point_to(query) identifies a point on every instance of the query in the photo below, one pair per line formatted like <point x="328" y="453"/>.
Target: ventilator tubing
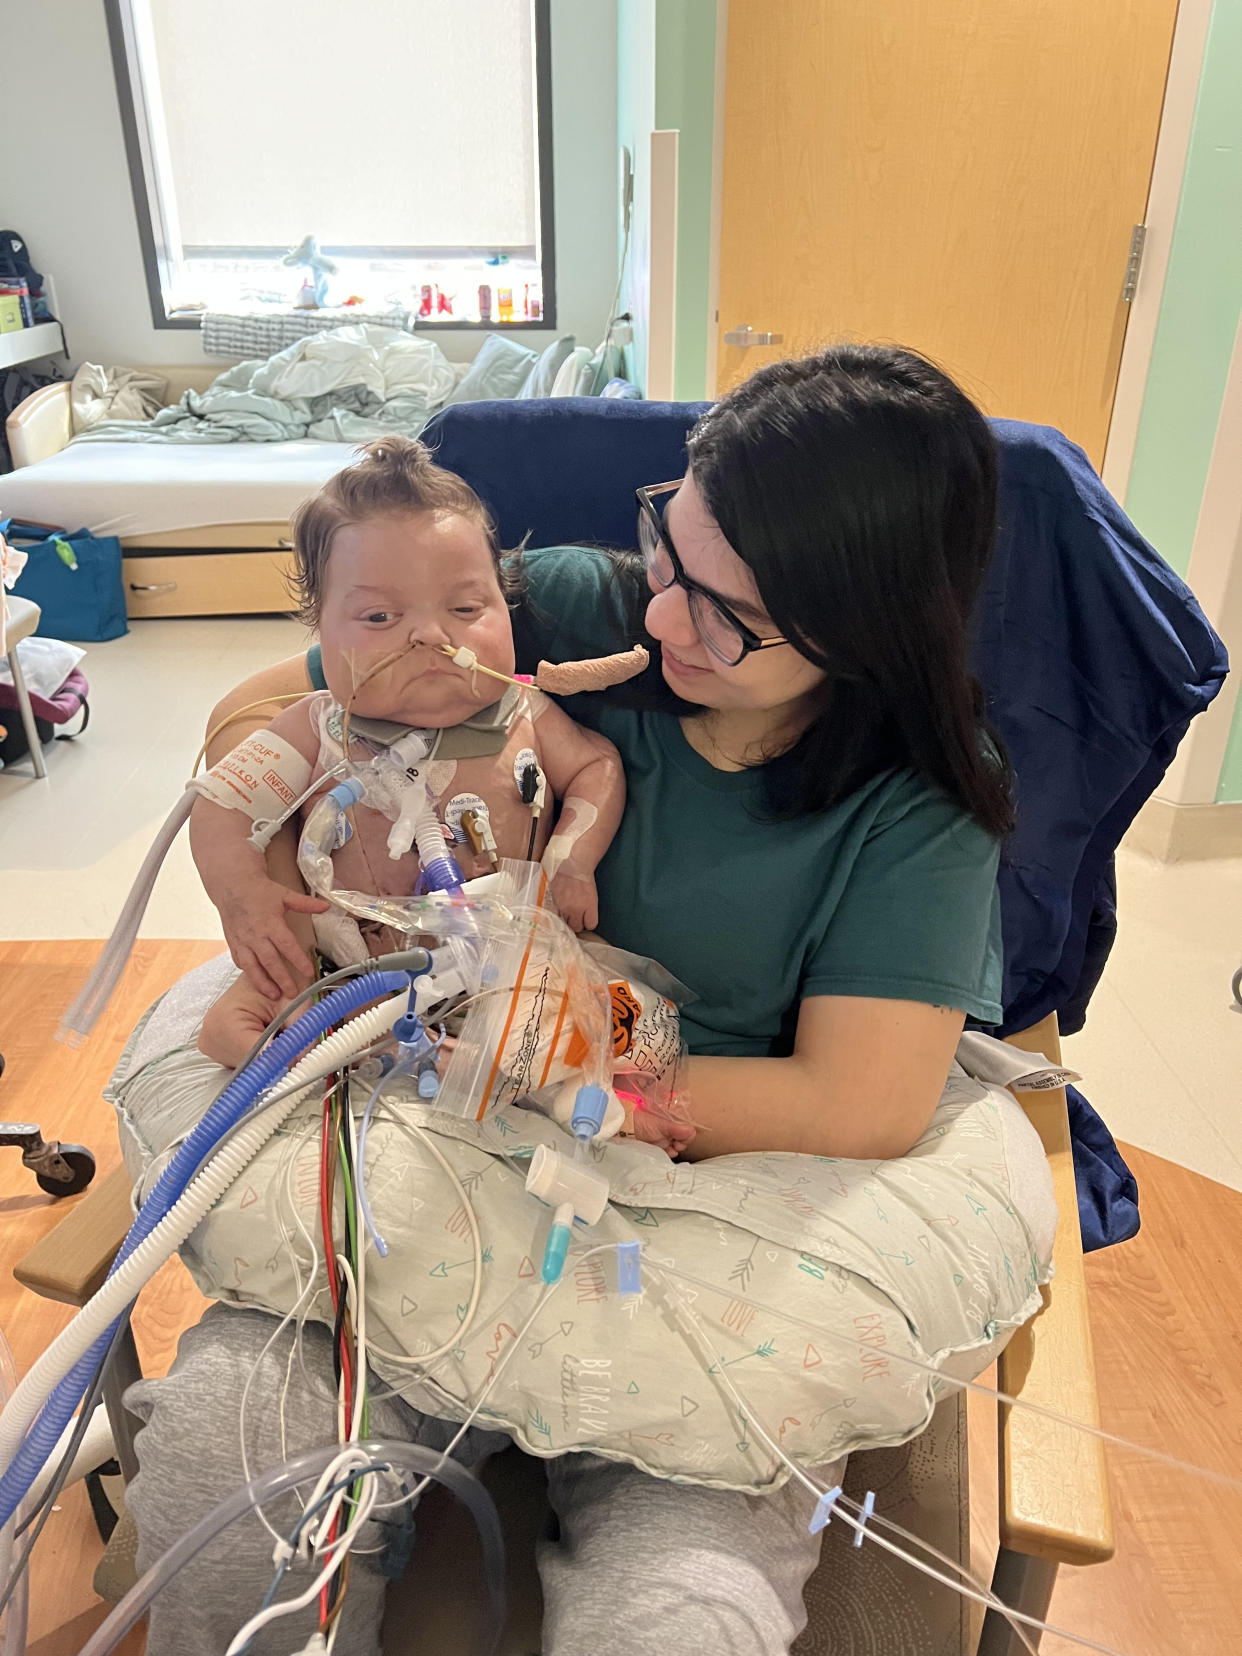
<point x="22" y="1453"/>
<point x="14" y="1640"/>
<point x="105" y="974"/>
<point x="400" y="1457"/>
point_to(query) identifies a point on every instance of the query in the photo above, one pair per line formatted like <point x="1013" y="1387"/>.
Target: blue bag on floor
<point x="75" y="580"/>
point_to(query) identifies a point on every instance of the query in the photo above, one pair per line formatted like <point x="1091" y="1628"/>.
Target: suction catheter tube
<point x="240" y="1094"/>
<point x="403" y="1457"/>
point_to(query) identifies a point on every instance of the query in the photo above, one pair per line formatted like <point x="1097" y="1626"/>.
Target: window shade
<point x="372" y="123"/>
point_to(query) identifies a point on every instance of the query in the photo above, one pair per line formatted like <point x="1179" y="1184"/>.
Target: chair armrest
<point x="72" y="1260"/>
<point x="1054" y="1501"/>
<point x="41" y="424"/>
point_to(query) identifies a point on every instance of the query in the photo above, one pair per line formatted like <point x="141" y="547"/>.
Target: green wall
<point x="1199" y="310"/>
<point x="1230" y="787"/>
<point x="1198" y="320"/>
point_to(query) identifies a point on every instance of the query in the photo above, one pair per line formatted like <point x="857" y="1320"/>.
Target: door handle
<point x="746" y="335"/>
<point x="159" y="586"/>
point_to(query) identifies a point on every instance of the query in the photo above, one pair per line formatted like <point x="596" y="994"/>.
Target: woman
<point x="810" y="843"/>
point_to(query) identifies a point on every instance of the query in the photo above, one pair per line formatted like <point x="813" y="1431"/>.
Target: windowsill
<point x="450" y="324"/>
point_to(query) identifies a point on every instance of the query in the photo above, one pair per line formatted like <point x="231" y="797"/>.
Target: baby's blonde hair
<point x="393" y="476"/>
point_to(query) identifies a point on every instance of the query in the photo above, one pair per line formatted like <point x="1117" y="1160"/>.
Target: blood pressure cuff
<point x="263" y="776"/>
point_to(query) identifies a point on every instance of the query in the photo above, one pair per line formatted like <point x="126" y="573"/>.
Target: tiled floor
<point x="1161" y="1057"/>
<point x="70" y="847"/>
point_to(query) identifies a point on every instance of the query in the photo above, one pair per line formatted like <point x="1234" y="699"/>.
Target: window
<point x="412" y="138"/>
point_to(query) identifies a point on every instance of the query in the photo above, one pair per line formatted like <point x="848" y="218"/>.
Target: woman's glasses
<point x="729" y="639"/>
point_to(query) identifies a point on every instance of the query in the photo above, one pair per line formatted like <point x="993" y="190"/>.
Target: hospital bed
<point x="204" y="529"/>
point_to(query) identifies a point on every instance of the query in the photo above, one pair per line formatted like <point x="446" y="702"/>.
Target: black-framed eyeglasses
<point x="729" y="639"/>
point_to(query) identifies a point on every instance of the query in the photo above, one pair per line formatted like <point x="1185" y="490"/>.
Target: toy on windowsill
<point x="313" y="293"/>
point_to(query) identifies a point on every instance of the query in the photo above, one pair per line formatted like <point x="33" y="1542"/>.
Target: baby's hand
<point x="651" y="1127"/>
<point x="234" y="1023"/>
<point x="252" y="914"/>
<point x="576" y="900"/>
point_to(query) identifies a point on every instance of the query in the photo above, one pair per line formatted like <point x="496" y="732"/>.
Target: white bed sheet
<point x="149" y="488"/>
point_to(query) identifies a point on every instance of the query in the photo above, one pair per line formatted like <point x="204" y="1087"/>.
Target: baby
<point x="397" y="564"/>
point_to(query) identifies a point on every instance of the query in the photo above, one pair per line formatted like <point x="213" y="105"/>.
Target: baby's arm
<point x="251" y="905"/>
<point x="584" y="771"/>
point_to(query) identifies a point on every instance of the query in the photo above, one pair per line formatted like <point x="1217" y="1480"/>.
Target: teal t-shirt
<point x="891" y="893"/>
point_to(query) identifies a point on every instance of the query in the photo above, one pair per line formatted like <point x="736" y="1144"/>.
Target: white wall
<point x="66" y="185"/>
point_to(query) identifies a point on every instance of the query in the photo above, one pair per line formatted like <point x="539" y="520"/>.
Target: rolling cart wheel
<point x="1237" y="986"/>
<point x="81" y="1164"/>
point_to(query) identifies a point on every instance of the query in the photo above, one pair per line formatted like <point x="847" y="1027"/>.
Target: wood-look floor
<point x="1165" y="1315"/>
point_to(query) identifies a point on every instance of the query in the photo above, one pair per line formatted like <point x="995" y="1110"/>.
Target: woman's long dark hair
<point x="859" y="485"/>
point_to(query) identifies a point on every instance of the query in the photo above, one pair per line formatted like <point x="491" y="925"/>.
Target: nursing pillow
<point x="815" y="1303"/>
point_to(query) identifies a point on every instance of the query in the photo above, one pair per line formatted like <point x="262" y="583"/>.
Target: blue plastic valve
<point x="408" y="1030"/>
<point x="347" y="793"/>
<point x="590" y="1108"/>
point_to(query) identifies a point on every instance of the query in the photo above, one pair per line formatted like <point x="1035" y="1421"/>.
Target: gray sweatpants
<point x="640" y="1566"/>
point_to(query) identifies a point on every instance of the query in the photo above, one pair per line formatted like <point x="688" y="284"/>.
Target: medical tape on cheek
<point x="560" y="847"/>
<point x="263" y="776"/>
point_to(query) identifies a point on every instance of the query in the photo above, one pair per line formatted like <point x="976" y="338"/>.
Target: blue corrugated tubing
<point x="242" y="1091"/>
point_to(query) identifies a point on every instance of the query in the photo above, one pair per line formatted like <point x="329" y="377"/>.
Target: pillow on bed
<point x="576" y="377"/>
<point x="547" y="365"/>
<point x="499" y="370"/>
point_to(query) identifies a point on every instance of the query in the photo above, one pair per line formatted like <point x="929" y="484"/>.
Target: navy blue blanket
<point x="1093" y="653"/>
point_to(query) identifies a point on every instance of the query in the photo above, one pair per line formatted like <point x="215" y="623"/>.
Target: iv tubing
<point x="410" y="1457"/>
<point x="22" y="1459"/>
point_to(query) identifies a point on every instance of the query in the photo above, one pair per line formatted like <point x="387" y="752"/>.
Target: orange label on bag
<point x="625" y="1015"/>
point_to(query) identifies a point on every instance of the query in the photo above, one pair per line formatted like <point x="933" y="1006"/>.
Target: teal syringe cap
<point x="554" y="1253"/>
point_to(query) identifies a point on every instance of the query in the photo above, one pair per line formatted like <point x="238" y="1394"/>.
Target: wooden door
<point x="960" y="176"/>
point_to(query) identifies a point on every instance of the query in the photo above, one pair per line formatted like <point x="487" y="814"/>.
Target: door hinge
<point x="1134" y="263"/>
